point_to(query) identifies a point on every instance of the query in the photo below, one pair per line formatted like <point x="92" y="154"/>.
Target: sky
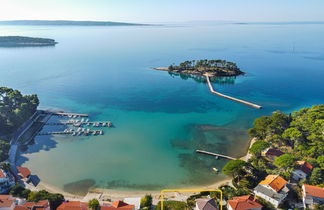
<point x="154" y="11"/>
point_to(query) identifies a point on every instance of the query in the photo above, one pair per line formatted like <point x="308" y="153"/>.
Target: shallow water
<point x="160" y="119"/>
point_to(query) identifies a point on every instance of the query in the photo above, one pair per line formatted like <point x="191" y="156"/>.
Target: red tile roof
<point x="5" y="197"/>
<point x="73" y="205"/>
<point x="2" y="174"/>
<point x="274" y="152"/>
<point x="20" y="208"/>
<point x="117" y="205"/>
<point x="40" y="204"/>
<point x="314" y="191"/>
<point x="304" y="166"/>
<point x="25" y="172"/>
<point x="276" y="182"/>
<point x="244" y="202"/>
<point x="6" y="202"/>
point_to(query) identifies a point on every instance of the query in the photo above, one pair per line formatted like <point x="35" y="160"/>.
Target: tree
<point x="234" y="167"/>
<point x="320" y="161"/>
<point x="146" y="201"/>
<point x="54" y="199"/>
<point x="4" y="150"/>
<point x="284" y="161"/>
<point x="172" y="205"/>
<point x="5" y="166"/>
<point x="258" y="147"/>
<point x="17" y="190"/>
<point x="294" y="135"/>
<point x="15" y="109"/>
<point x="317" y="176"/>
<point x="260" y="127"/>
<point x="93" y="204"/>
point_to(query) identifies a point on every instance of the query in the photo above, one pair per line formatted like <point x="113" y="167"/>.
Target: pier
<point x="229" y="97"/>
<point x="65" y="114"/>
<point x="78" y="132"/>
<point x="79" y="123"/>
<point x="215" y="154"/>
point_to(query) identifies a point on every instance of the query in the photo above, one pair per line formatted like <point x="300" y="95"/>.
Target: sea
<point x="160" y="119"/>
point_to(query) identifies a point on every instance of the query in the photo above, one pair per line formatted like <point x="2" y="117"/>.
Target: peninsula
<point x="22" y="41"/>
<point x="214" y="68"/>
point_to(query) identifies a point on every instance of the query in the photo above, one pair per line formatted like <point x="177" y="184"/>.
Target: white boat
<point x="215" y="169"/>
<point x="73" y="134"/>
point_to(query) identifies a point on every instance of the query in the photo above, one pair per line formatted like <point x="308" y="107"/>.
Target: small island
<point x="22" y="41"/>
<point x="214" y="68"/>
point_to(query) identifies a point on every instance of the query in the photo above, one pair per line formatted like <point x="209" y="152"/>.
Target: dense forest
<point x="300" y="136"/>
<point x="22" y="41"/>
<point x="15" y="109"/>
<point x="212" y="67"/>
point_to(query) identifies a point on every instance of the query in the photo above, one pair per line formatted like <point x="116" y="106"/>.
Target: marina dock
<point x="78" y="132"/>
<point x="229" y="97"/>
<point x="79" y="123"/>
<point x="65" y="114"/>
<point x="215" y="154"/>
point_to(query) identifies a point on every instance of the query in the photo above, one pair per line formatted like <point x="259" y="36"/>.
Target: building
<point x="117" y="205"/>
<point x="40" y="205"/>
<point x="271" y="153"/>
<point x="302" y="170"/>
<point x="24" y="173"/>
<point x="312" y="195"/>
<point x="73" y="205"/>
<point x="6" y="181"/>
<point x="7" y="202"/>
<point x="273" y="189"/>
<point x="206" y="204"/>
<point x="245" y="202"/>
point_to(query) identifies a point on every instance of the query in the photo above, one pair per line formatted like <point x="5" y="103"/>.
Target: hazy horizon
<point x="165" y="11"/>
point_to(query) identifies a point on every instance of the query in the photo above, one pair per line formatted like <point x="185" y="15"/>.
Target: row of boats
<point x="83" y="131"/>
<point x="79" y="123"/>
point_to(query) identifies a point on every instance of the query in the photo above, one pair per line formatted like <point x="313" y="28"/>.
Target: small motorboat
<point x="215" y="169"/>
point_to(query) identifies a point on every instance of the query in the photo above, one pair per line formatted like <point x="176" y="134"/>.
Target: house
<point x="312" y="195"/>
<point x="273" y="189"/>
<point x="206" y="204"/>
<point x="43" y="204"/>
<point x="302" y="170"/>
<point x="271" y="153"/>
<point x="73" y="205"/>
<point x="134" y="201"/>
<point x="23" y="173"/>
<point x="6" y="181"/>
<point x="245" y="202"/>
<point x="7" y="202"/>
<point x="117" y="205"/>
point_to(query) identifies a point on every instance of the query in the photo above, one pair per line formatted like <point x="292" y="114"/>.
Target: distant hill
<point x="282" y="23"/>
<point x="67" y="23"/>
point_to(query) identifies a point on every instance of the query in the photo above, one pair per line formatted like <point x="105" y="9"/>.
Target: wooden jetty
<point x="229" y="97"/>
<point x="77" y="123"/>
<point x="215" y="154"/>
<point x="85" y="132"/>
<point x="65" y="114"/>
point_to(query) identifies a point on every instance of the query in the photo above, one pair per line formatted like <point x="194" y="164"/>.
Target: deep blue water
<point x="160" y="119"/>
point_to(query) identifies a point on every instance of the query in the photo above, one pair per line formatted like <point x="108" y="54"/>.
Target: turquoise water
<point x="160" y="119"/>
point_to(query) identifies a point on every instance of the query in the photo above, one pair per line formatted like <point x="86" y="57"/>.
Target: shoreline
<point x="121" y="194"/>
